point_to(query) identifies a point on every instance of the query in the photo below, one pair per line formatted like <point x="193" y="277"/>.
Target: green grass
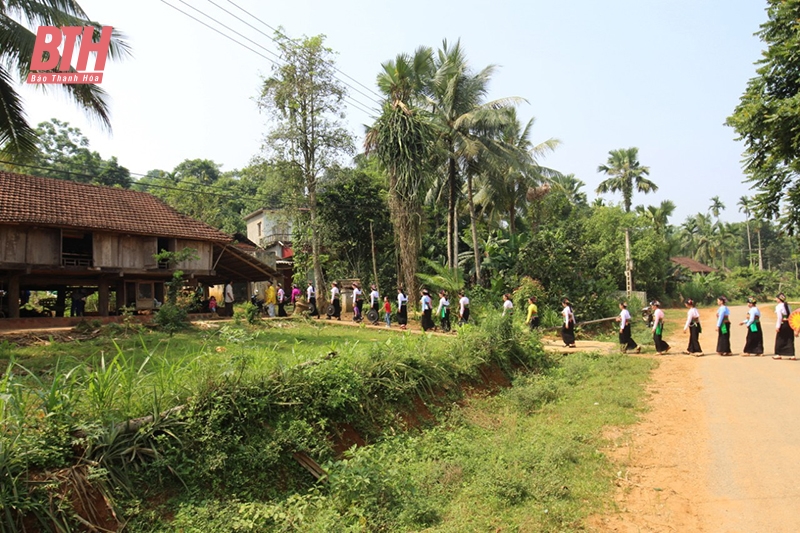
<point x="526" y="459"/>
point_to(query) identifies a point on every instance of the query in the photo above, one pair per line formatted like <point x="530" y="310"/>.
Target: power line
<point x="332" y="65"/>
<point x="352" y="101"/>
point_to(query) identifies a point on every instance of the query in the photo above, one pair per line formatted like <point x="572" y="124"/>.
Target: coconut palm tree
<point x="658" y="216"/>
<point x="744" y="207"/>
<point x="402" y="138"/>
<point x="467" y="128"/>
<point x="626" y="174"/>
<point x="716" y="207"/>
<point x="504" y="183"/>
<point x="17" y="39"/>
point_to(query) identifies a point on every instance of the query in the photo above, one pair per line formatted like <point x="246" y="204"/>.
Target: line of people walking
<point x="754" y="343"/>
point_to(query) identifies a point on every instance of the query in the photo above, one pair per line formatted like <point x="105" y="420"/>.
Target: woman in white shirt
<point x="374" y="298"/>
<point x="568" y="327"/>
<point x="402" y="308"/>
<point x="311" y="296"/>
<point x="784" y="336"/>
<point x="508" y="305"/>
<point x="336" y="301"/>
<point x="358" y="302"/>
<point x="693" y="326"/>
<point x="463" y="308"/>
<point x="658" y="328"/>
<point x="426" y="303"/>
<point x="754" y="345"/>
<point x="625" y="336"/>
<point x="443" y="311"/>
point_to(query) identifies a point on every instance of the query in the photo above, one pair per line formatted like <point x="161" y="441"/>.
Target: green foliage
<point x="64" y="154"/>
<point x="442" y="278"/>
<point x="767" y="116"/>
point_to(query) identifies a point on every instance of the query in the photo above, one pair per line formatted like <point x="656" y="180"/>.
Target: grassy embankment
<point x="526" y="457"/>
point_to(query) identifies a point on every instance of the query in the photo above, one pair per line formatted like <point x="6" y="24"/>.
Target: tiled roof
<point x="693" y="266"/>
<point x="53" y="202"/>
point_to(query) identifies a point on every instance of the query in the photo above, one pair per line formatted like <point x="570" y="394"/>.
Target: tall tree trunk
<point x="749" y="244"/>
<point x="474" y="225"/>
<point x="406" y="221"/>
<point x="315" y="246"/>
<point x="452" y="220"/>
<point x="760" y="257"/>
<point x="512" y="218"/>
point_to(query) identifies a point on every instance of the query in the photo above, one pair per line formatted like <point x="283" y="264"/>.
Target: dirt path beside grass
<point x="717" y="450"/>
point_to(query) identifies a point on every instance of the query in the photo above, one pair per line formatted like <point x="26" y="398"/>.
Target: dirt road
<point x="718" y="450"/>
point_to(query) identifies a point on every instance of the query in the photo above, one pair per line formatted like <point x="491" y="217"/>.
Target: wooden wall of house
<point x="204" y="252"/>
<point x="34" y="246"/>
<point x="136" y="252"/>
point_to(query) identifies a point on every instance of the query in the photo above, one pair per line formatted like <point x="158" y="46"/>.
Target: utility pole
<point x="628" y="264"/>
<point x="374" y="261"/>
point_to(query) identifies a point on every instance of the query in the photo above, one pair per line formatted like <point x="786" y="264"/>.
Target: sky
<point x="661" y="75"/>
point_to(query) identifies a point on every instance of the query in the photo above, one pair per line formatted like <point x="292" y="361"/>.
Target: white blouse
<point x="780" y="312"/>
<point x="624" y="318"/>
<point x="692" y="314"/>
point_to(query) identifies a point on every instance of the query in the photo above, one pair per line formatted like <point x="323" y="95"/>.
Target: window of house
<point x="258" y="225"/>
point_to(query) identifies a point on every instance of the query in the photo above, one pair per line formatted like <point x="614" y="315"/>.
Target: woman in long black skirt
<point x="427" y="311"/>
<point x="568" y="329"/>
<point x="658" y="328"/>
<point x="402" y="308"/>
<point x="693" y="326"/>
<point x="784" y="336"/>
<point x="625" y="337"/>
<point x="754" y="345"/>
<point x="723" y="327"/>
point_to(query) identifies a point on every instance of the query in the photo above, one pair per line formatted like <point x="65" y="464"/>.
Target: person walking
<point x="754" y="344"/>
<point x="533" y="314"/>
<point x="463" y="308"/>
<point x="625" y="336"/>
<point x="281" y="301"/>
<point x="723" y="327"/>
<point x="568" y="324"/>
<point x="374" y="298"/>
<point x="311" y="296"/>
<point x="228" y="297"/>
<point x="402" y="308"/>
<point x="426" y="304"/>
<point x="443" y="311"/>
<point x="295" y="294"/>
<point x="336" y="301"/>
<point x="508" y="305"/>
<point x="693" y="326"/>
<point x="387" y="311"/>
<point x="658" y="328"/>
<point x="358" y="303"/>
<point x="270" y="298"/>
<point x="784" y="336"/>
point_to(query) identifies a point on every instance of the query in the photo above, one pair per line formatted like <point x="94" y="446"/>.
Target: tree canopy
<point x="767" y="118"/>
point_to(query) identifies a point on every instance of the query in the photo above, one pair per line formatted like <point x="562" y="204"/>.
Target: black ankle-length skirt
<point x="755" y="340"/>
<point x="784" y="340"/>
<point x="694" y="340"/>
<point x="724" y="339"/>
<point x="626" y="338"/>
<point x="568" y="334"/>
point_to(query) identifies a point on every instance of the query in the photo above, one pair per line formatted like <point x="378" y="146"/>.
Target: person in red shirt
<point x="387" y="311"/>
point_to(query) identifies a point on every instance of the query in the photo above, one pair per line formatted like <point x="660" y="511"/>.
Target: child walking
<point x="387" y="311"/>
